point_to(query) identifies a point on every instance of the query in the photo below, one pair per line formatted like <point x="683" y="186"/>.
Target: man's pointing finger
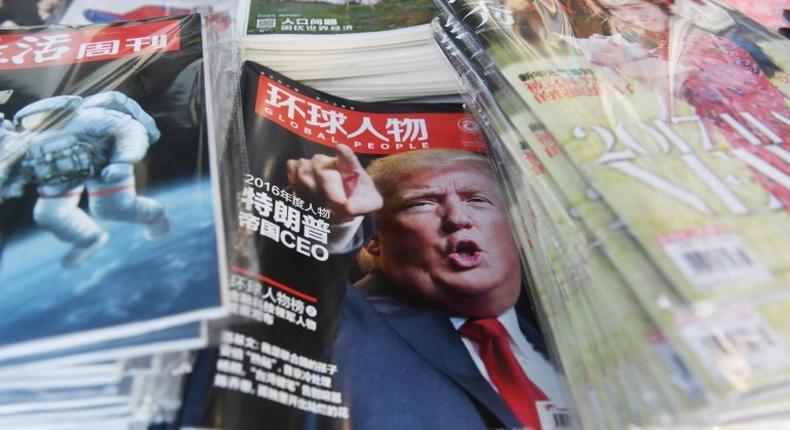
<point x="347" y="161"/>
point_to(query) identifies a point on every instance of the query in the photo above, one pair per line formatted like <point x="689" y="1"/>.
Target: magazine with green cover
<point x="702" y="195"/>
<point x="720" y="189"/>
<point x="582" y="200"/>
<point x="635" y="343"/>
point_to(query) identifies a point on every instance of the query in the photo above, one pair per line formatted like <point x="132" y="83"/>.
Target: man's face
<point x="445" y="238"/>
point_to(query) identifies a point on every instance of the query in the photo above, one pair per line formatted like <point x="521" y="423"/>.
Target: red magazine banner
<point x="42" y="49"/>
<point x="365" y="132"/>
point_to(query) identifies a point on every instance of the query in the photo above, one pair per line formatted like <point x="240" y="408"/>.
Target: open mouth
<point x="465" y="254"/>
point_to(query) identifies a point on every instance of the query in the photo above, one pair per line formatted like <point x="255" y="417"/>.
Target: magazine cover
<point x="583" y="202"/>
<point x="366" y="236"/>
<point x="617" y="360"/>
<point x="674" y="117"/>
<point x="680" y="107"/>
<point x="108" y="213"/>
<point x="597" y="349"/>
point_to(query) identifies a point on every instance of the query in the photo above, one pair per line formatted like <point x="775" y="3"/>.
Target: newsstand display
<point x="388" y="214"/>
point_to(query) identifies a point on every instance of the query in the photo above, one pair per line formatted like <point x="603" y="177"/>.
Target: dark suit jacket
<point x="403" y="366"/>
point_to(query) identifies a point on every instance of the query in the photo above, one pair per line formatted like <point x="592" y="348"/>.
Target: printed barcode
<point x="561" y="420"/>
<point x="265" y="23"/>
<point x="718" y="260"/>
<point x="747" y="340"/>
<point x="737" y="343"/>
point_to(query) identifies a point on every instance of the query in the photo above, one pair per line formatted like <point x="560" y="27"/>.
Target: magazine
<point x="631" y="353"/>
<point x="711" y="219"/>
<point x="558" y="45"/>
<point x="109" y="216"/>
<point x="333" y="45"/>
<point x="616" y="101"/>
<point x="309" y="271"/>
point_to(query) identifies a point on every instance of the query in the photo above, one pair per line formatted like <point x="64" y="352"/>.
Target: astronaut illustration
<point x="67" y="145"/>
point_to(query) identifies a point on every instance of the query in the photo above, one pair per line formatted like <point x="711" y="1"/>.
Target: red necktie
<point x="505" y="372"/>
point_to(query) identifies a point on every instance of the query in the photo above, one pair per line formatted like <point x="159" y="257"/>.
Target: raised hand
<point x="341" y="181"/>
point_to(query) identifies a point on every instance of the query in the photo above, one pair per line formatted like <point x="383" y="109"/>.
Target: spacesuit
<point x="73" y="144"/>
<point x="9" y="150"/>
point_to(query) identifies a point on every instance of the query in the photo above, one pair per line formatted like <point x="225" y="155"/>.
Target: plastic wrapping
<point x="110" y="228"/>
<point x="223" y="26"/>
<point x="670" y="223"/>
<point x="612" y="353"/>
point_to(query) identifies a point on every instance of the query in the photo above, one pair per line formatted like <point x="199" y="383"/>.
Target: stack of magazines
<point x="645" y="148"/>
<point x="111" y="245"/>
<point x="362" y="50"/>
<point x="134" y="393"/>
